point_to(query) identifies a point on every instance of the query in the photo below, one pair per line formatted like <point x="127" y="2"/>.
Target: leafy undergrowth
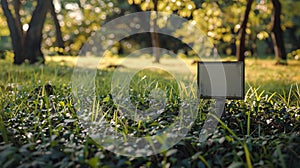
<point x="40" y="128"/>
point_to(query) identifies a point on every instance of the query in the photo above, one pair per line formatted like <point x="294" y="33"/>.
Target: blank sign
<point x="221" y="80"/>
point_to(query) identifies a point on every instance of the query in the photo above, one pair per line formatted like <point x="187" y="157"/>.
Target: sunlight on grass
<point x="260" y="131"/>
<point x="259" y="73"/>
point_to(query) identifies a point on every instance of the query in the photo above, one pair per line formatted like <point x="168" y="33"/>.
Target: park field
<point x="259" y="73"/>
<point x="40" y="127"/>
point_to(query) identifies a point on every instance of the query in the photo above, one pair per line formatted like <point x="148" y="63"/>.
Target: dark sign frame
<point x="242" y="93"/>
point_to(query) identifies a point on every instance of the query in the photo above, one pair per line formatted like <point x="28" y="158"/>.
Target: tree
<point x="277" y="34"/>
<point x="153" y="6"/>
<point x="16" y="32"/>
<point x="240" y="52"/>
<point x="183" y="7"/>
<point x="78" y="20"/>
<point x="26" y="45"/>
<point x="231" y="33"/>
<point x="59" y="38"/>
<point x="154" y="34"/>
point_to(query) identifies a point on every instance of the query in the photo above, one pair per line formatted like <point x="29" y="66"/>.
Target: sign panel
<point x="221" y="80"/>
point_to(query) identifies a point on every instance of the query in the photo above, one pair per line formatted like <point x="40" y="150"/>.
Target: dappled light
<point x="149" y="83"/>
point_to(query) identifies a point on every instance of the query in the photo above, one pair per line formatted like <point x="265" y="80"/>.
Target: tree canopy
<point x="271" y="27"/>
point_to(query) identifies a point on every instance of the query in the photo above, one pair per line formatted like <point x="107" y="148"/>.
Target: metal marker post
<point x="220" y="104"/>
<point x="209" y="126"/>
<point x="213" y="79"/>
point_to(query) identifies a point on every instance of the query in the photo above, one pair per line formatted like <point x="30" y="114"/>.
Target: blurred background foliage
<point x="220" y="20"/>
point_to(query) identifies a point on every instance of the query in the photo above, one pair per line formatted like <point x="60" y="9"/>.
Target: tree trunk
<point x="233" y="43"/>
<point x="240" y="52"/>
<point x="34" y="34"/>
<point x="59" y="39"/>
<point x="17" y="5"/>
<point x="154" y="34"/>
<point x="277" y="34"/>
<point x="15" y="33"/>
<point x="270" y="48"/>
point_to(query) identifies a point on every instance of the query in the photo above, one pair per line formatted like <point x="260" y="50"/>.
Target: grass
<point x="261" y="73"/>
<point x="39" y="125"/>
<point x="268" y="76"/>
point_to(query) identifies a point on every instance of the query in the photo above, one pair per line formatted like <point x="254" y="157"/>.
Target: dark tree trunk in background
<point x="277" y="34"/>
<point x="17" y="6"/>
<point x="270" y="48"/>
<point x="59" y="38"/>
<point x="33" y="38"/>
<point x="15" y="33"/>
<point x="154" y="34"/>
<point x="233" y="43"/>
<point x="26" y="45"/>
<point x="240" y="52"/>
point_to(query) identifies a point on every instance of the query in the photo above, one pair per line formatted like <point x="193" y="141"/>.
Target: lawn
<point x="259" y="73"/>
<point x="40" y="127"/>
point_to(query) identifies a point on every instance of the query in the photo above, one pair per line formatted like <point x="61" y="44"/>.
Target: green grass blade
<point x="247" y="154"/>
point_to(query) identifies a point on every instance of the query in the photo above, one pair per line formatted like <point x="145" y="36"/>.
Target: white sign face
<point x="221" y="79"/>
